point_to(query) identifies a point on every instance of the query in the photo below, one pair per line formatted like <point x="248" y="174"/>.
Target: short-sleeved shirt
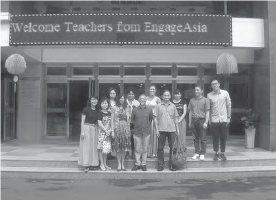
<point x="91" y="116"/>
<point x="179" y="106"/>
<point x="166" y="115"/>
<point x="199" y="107"/>
<point x="141" y="118"/>
<point x="219" y="103"/>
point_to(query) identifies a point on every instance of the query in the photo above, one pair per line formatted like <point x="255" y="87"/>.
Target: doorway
<point x="78" y="99"/>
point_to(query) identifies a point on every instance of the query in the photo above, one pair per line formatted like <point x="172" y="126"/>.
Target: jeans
<point x="161" y="143"/>
<point x="199" y="133"/>
<point x="141" y="144"/>
<point x="219" y="132"/>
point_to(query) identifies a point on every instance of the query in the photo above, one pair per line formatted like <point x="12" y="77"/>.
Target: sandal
<point x="86" y="169"/>
<point x="102" y="168"/>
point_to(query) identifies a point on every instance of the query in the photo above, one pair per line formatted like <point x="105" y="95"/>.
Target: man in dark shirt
<point x="199" y="109"/>
<point x="141" y="118"/>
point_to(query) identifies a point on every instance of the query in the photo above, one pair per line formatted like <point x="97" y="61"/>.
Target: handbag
<point x="179" y="155"/>
<point x="106" y="145"/>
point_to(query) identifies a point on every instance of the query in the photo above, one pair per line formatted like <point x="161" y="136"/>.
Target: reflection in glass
<point x="56" y="109"/>
<point x="161" y="87"/>
<point x="137" y="88"/>
<point x="78" y="99"/>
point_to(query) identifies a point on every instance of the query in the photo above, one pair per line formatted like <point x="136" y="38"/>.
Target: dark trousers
<point x="131" y="138"/>
<point x="199" y="133"/>
<point x="219" y="134"/>
<point x="161" y="143"/>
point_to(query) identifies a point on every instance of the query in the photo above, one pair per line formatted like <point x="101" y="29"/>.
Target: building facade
<point x="61" y="75"/>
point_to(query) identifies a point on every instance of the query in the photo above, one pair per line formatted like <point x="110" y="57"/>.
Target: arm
<point x="184" y="112"/>
<point x="155" y="115"/>
<point x="190" y="119"/>
<point x="176" y="120"/>
<point x="82" y="124"/>
<point x="100" y="124"/>
<point x="156" y="126"/>
<point x="112" y="123"/>
<point x="228" y="108"/>
<point x="207" y="113"/>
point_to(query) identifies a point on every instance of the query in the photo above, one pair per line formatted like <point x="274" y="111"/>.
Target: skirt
<point x="152" y="149"/>
<point x="182" y="130"/>
<point x="88" y="153"/>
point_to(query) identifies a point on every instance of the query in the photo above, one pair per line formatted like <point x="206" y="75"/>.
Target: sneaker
<point x="135" y="168"/>
<point x="144" y="167"/>
<point x="216" y="157"/>
<point x="196" y="156"/>
<point x="222" y="157"/>
<point x="201" y="157"/>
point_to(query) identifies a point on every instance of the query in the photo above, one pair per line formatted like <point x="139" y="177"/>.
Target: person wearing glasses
<point x="220" y="117"/>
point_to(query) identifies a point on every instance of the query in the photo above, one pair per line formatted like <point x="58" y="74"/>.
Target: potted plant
<point x="250" y="121"/>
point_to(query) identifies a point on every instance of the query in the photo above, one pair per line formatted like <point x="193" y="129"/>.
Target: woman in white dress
<point x="152" y="101"/>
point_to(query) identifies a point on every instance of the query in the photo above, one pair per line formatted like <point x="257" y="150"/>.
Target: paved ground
<point x="253" y="188"/>
<point x="68" y="151"/>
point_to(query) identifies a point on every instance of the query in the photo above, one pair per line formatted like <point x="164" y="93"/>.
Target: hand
<point x="179" y="120"/>
<point x="157" y="133"/>
<point x="82" y="135"/>
<point x="177" y="133"/>
<point x="228" y="121"/>
<point x="205" y="126"/>
<point x="190" y="125"/>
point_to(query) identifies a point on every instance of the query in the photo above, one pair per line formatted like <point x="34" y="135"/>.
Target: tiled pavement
<point x="68" y="151"/>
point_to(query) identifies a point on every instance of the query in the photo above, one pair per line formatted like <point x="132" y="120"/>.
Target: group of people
<point x="126" y="126"/>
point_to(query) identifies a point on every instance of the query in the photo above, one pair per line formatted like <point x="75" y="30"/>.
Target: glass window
<point x="243" y="70"/>
<point x="104" y="89"/>
<point x="82" y="71"/>
<point x="240" y="8"/>
<point x="238" y="94"/>
<point x="109" y="71"/>
<point x="187" y="90"/>
<point x="51" y="71"/>
<point x="161" y="71"/>
<point x="210" y="71"/>
<point x="137" y="88"/>
<point x="161" y="87"/>
<point x="134" y="71"/>
<point x="186" y="71"/>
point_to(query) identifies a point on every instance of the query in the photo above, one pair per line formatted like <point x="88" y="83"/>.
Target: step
<point x="191" y="173"/>
<point x="151" y="163"/>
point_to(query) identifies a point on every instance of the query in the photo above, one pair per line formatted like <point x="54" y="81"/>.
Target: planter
<point x="250" y="137"/>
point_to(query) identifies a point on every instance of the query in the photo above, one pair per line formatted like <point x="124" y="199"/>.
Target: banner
<point x="121" y="29"/>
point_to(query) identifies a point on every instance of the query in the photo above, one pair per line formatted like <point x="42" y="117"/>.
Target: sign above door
<point x="121" y="29"/>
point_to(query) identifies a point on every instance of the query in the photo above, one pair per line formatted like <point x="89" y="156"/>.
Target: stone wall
<point x="264" y="77"/>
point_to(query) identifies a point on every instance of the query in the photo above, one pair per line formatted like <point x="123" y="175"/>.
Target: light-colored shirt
<point x="199" y="107"/>
<point x="166" y="114"/>
<point x="132" y="104"/>
<point x="220" y="102"/>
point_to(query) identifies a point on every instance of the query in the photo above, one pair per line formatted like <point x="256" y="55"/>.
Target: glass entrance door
<point x="56" y="109"/>
<point x="78" y="97"/>
<point x="8" y="109"/>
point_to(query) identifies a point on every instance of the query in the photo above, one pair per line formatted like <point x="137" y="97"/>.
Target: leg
<point x="160" y="150"/>
<point x="102" y="167"/>
<point x="119" y="158"/>
<point x="137" y="146"/>
<point x="223" y="136"/>
<point x="145" y="144"/>
<point x="195" y="134"/>
<point x="123" y="160"/>
<point x="215" y="136"/>
<point x="202" y="135"/>
<point x="171" y="140"/>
